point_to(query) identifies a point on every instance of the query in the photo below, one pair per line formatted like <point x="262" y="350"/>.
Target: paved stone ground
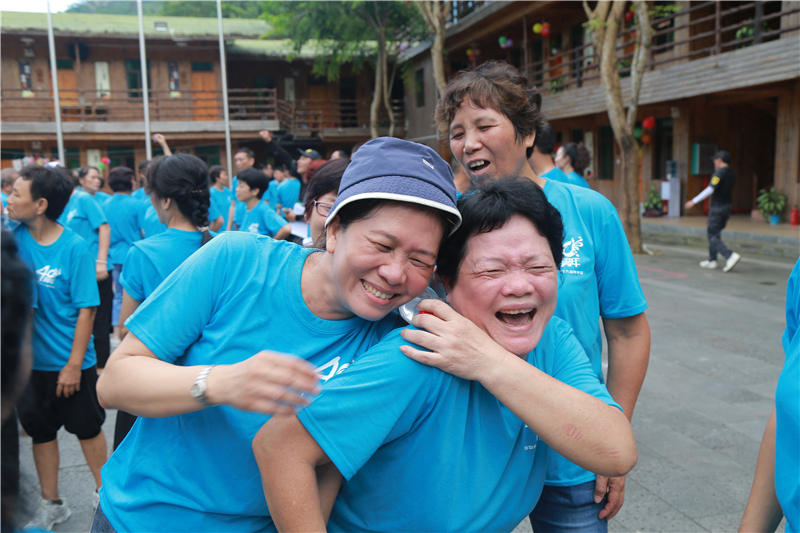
<point x="714" y="365"/>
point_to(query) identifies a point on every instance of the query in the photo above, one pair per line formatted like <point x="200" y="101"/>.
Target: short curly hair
<point x="499" y="86"/>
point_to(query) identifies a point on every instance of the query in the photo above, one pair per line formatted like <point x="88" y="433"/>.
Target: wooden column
<point x="681" y="148"/>
<point x="787" y="147"/>
<point x="682" y="33"/>
<point x="789" y="21"/>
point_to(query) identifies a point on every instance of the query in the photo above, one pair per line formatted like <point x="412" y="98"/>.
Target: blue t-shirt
<point x="271" y="196"/>
<point x="599" y="280"/>
<point x="148" y="219"/>
<point x="101" y="197"/>
<point x="65" y="283"/>
<point x="241" y="207"/>
<point x="213" y="213"/>
<point x="787" y="410"/>
<point x="122" y="212"/>
<point x="288" y="192"/>
<point x="139" y="193"/>
<point x="423" y="450"/>
<point x="150" y="261"/>
<point x="239" y="294"/>
<point x="556" y="174"/>
<point x="576" y="179"/>
<point x="4" y="198"/>
<point x="83" y="215"/>
<point x="221" y="200"/>
<point x="261" y="219"/>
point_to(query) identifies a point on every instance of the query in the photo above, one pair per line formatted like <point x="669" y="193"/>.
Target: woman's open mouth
<point x="516" y="317"/>
<point x="376" y="293"/>
<point x="477" y="166"/>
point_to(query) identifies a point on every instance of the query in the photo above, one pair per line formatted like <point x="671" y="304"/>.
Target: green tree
<point x="350" y="32"/>
<point x="188" y="8"/>
<point x="112" y="7"/>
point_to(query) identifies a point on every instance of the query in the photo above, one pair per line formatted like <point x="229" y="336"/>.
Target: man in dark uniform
<point x="720" y="188"/>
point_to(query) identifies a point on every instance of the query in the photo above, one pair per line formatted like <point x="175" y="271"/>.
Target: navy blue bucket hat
<point x="387" y="168"/>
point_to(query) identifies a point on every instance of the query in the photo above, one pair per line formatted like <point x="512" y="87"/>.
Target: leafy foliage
<point x="652" y="204"/>
<point x="111" y="7"/>
<point x="770" y="202"/>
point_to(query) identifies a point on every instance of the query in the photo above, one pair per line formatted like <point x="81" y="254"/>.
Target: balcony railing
<point x="171" y="106"/>
<point x="682" y="36"/>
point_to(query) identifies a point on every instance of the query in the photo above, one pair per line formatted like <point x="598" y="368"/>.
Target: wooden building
<point x="721" y="75"/>
<point x="100" y="89"/>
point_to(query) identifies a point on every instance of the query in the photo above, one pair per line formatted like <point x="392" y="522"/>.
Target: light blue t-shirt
<point x="83" y="215"/>
<point x="139" y="193"/>
<point x="599" y="280"/>
<point x="787" y="411"/>
<point x="4" y="198"/>
<point x="556" y="174"/>
<point x="213" y="213"/>
<point x="101" y="197"/>
<point x="241" y="207"/>
<point x="150" y="261"/>
<point x="261" y="219"/>
<point x="239" y="294"/>
<point x="288" y="192"/>
<point x="576" y="179"/>
<point x="271" y="196"/>
<point x="65" y="283"/>
<point x="221" y="200"/>
<point x="122" y="212"/>
<point x="148" y="219"/>
<point x="423" y="450"/>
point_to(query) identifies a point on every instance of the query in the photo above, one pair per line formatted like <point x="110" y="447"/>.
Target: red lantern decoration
<point x="629" y="16"/>
<point x="647" y="138"/>
<point x="649" y="123"/>
<point x="545" y="29"/>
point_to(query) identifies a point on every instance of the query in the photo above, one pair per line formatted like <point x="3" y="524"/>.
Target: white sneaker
<point x="114" y="342"/>
<point x="49" y="514"/>
<point x="708" y="264"/>
<point x="95" y="499"/>
<point x="731" y="262"/>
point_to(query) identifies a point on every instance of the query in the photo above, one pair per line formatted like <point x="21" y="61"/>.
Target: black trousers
<point x="122" y="428"/>
<point x="718" y="216"/>
<point x="102" y="321"/>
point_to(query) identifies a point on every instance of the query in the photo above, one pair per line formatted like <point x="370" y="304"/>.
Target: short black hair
<point x="545" y="140"/>
<point x="326" y="180"/>
<point x="214" y="172"/>
<point x="724" y="155"/>
<point x="489" y="207"/>
<point x="143" y="165"/>
<point x="120" y="179"/>
<point x="247" y="151"/>
<point x="54" y="184"/>
<point x="255" y="179"/>
<point x="16" y="313"/>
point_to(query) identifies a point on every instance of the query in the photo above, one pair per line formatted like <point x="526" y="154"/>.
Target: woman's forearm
<point x="763" y="512"/>
<point x="582" y="428"/>
<point x="288" y="458"/>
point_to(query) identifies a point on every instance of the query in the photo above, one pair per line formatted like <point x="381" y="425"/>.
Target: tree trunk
<point x="377" y="98"/>
<point x="607" y="19"/>
<point x="433" y="11"/>
<point x="387" y="98"/>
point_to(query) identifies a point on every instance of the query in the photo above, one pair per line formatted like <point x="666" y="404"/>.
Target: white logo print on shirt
<point x="71" y="215"/>
<point x="253" y="228"/>
<point x="571" y="257"/>
<point x="47" y="275"/>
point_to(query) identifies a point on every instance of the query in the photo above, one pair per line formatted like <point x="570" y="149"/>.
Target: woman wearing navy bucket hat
<point x="191" y="368"/>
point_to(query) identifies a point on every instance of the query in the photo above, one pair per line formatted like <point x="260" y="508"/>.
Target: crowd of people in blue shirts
<point x="266" y="382"/>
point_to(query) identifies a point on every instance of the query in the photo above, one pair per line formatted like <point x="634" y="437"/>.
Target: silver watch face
<point x="198" y="390"/>
<point x="409" y="310"/>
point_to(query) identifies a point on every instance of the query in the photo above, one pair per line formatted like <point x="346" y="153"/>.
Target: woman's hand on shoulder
<point x="267" y="382"/>
<point x="457" y="346"/>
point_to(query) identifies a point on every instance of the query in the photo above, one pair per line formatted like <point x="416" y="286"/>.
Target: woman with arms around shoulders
<point x="177" y="186"/>
<point x="425" y="450"/>
<point x="493" y="118"/>
<point x="191" y="368"/>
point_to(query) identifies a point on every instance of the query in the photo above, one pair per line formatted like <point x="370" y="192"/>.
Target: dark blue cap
<point x="387" y="168"/>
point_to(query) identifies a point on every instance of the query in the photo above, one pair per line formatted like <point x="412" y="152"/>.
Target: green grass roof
<point x="118" y="25"/>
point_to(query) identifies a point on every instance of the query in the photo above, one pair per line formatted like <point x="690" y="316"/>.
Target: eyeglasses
<point x="322" y="208"/>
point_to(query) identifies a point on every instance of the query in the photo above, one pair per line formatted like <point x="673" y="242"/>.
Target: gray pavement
<point x="714" y="364"/>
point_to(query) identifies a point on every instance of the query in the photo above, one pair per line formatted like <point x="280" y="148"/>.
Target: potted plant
<point x="770" y="203"/>
<point x="652" y="204"/>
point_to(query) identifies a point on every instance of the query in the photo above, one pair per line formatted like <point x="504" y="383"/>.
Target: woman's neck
<point x="318" y="287"/>
<point x="180" y="222"/>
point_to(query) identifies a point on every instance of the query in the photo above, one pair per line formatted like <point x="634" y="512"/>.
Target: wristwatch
<point x="198" y="390"/>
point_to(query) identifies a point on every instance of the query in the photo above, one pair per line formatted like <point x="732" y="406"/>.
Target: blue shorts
<point x="569" y="509"/>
